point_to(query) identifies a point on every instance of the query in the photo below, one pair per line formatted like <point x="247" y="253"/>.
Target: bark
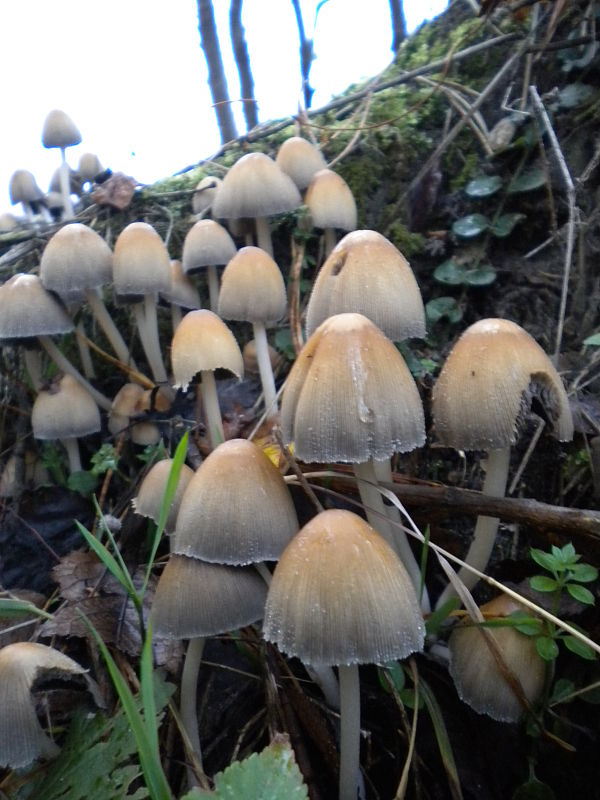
<point x="306" y="55"/>
<point x="242" y="60"/>
<point x="398" y="24"/>
<point x="216" y="72"/>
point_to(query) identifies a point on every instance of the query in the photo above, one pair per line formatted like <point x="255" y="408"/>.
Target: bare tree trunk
<point x="242" y="60"/>
<point x="398" y="24"/>
<point x="216" y="72"/>
<point x="306" y="55"/>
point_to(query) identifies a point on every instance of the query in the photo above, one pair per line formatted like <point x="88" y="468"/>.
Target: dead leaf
<point x="117" y="191"/>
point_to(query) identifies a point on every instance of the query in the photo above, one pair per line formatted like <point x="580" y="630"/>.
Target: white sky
<point x="132" y="75"/>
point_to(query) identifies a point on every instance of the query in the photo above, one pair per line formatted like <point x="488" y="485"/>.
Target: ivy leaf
<point x="450" y="273"/>
<point x="580" y="648"/>
<point x="593" y="340"/>
<point x="547" y="648"/>
<point x="528" y="181"/>
<point x="83" y="482"/>
<point x="562" y="688"/>
<point x="542" y="583"/>
<point x="480" y="276"/>
<point x="441" y="307"/>
<point x="470" y="226"/>
<point x="506" y="224"/>
<point x="483" y="186"/>
<point x="581" y="594"/>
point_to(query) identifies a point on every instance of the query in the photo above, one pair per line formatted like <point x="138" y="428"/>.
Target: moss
<point x="468" y="171"/>
<point x="407" y="242"/>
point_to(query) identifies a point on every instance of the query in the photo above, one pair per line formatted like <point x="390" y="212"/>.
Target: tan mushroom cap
<point x="145" y="433"/>
<point x="300" y="159"/>
<point x="350" y="396"/>
<point x="148" y="501"/>
<point x="141" y="262"/>
<point x="89" y="167"/>
<point x="203" y="342"/>
<point x="205" y="193"/>
<point x="66" y="410"/>
<point x="182" y="291"/>
<point x="76" y="258"/>
<point x="367" y="274"/>
<point x="206" y="243"/>
<point x="195" y="599"/>
<point x="475" y="671"/>
<point x="330" y="201"/>
<point x="255" y="187"/>
<point x="487" y="384"/>
<point x="27" y="309"/>
<point x="22" y="740"/>
<point x="237" y="508"/>
<point x="341" y="595"/>
<point x="252" y="288"/>
<point x="22" y="187"/>
<point x="251" y="360"/>
<point x="59" y="130"/>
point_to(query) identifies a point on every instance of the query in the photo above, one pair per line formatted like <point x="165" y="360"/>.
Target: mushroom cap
<point x="23" y="188"/>
<point x="477" y="677"/>
<point x="27" y="309"/>
<point x="341" y="595"/>
<point x="65" y="411"/>
<point x="206" y="243"/>
<point x="76" y="258"/>
<point x="300" y="159"/>
<point x="89" y="166"/>
<point x="252" y="288"/>
<point x="75" y="182"/>
<point x="255" y="187"/>
<point x="149" y="499"/>
<point x="8" y="222"/>
<point x="145" y="433"/>
<point x="202" y="342"/>
<point x="194" y="598"/>
<point x="350" y="396"/>
<point x="367" y="274"/>
<point x="236" y="509"/>
<point x="486" y="386"/>
<point x="22" y="740"/>
<point x="330" y="201"/>
<point x="141" y="263"/>
<point x="59" y="130"/>
<point x="205" y="193"/>
<point x="182" y="291"/>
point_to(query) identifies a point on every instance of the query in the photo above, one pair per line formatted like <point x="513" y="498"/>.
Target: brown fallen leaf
<point x="117" y="191"/>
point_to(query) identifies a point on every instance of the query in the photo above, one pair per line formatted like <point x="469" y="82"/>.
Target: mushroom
<point x="300" y="159"/>
<point x="203" y="343"/>
<point x="23" y="189"/>
<point x="207" y="245"/>
<point x="124" y="406"/>
<point x="22" y="739"/>
<point x="255" y="187"/>
<point x="341" y="596"/>
<point x="182" y="294"/>
<point x="253" y="290"/>
<point x="484" y="390"/>
<point x="60" y="131"/>
<point x="479" y="680"/>
<point x="331" y="205"/>
<point x="149" y="499"/>
<point x="89" y="167"/>
<point x="205" y="193"/>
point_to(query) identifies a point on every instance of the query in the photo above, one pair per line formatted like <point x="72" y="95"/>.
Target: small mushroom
<point x="60" y="131"/>
<point x="331" y="205"/>
<point x="149" y="499"/>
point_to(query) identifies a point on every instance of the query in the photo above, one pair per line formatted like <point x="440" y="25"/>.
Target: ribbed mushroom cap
<point x="182" y="291"/>
<point x="59" y="130"/>
<point x="89" y="166"/>
<point x="76" y="258"/>
<point x="300" y="159"/>
<point x="341" y="595"/>
<point x="252" y="288"/>
<point x="487" y="383"/>
<point x="255" y="187"/>
<point x="367" y="274"/>
<point x="236" y="509"/>
<point x="477" y="677"/>
<point x="141" y="263"/>
<point x="66" y="410"/>
<point x="330" y="201"/>
<point x="194" y="598"/>
<point x="148" y="501"/>
<point x="22" y="740"/>
<point x="23" y="188"/>
<point x="75" y="182"/>
<point x="27" y="310"/>
<point x="206" y="243"/>
<point x="202" y="342"/>
<point x="124" y="406"/>
<point x="350" y="396"/>
<point x="205" y="193"/>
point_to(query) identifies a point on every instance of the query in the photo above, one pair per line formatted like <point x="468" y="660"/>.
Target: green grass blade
<point x="147" y="691"/>
<point x="17" y="608"/>
<point x="443" y="740"/>
<point x="118" y="571"/>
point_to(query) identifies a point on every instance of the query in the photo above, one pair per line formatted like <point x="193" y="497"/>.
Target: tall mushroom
<point x="486" y="387"/>
<point x="207" y="245"/>
<point x="331" y="205"/>
<point x="60" y="131"/>
<point x="300" y="159"/>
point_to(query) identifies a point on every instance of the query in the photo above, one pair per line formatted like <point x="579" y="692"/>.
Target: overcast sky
<point x="132" y="76"/>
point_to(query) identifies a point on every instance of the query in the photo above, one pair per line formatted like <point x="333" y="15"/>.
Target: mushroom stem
<point x="330" y="240"/>
<point x="65" y="186"/>
<point x="145" y="315"/>
<point x="265" y="369"/>
<point x="212" y="410"/>
<point x="107" y="324"/>
<point x="484" y="537"/>
<point x="33" y="365"/>
<point x="84" y="351"/>
<point x="349" y="731"/>
<point x="72" y="448"/>
<point x="189" y="701"/>
<point x="213" y="287"/>
<point x="176" y="316"/>
<point x="65" y="365"/>
<point x="263" y="234"/>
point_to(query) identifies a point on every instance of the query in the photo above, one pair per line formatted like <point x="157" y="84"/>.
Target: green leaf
<point x="527" y="182"/>
<point x="435" y="620"/>
<point x="441" y="307"/>
<point x="566" y="555"/>
<point x="470" y="226"/>
<point x="583" y="573"/>
<point x="118" y="572"/>
<point x="593" y="340"/>
<point x="542" y="583"/>
<point x="450" y="273"/>
<point x="525" y="623"/>
<point x="533" y="790"/>
<point x="283" y="342"/>
<point x="442" y="738"/>
<point x="545" y="560"/>
<point x="547" y="648"/>
<point x="395" y="674"/>
<point x="505" y="225"/>
<point x="580" y="648"/>
<point x="270" y="775"/>
<point x="83" y="482"/>
<point x="105" y="458"/>
<point x="581" y="594"/>
<point x="10" y="608"/>
<point x="483" y="186"/>
<point x="480" y="276"/>
<point x="562" y="689"/>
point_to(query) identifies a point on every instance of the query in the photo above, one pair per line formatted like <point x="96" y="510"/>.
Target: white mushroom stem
<point x="107" y="324"/>
<point x="72" y="447"/>
<point x="65" y="365"/>
<point x="484" y="537"/>
<point x="330" y="240"/>
<point x="84" y="351"/>
<point x="147" y="324"/>
<point x="189" y="699"/>
<point x="265" y="369"/>
<point x="212" y="410"/>
<point x="176" y="316"/>
<point x="213" y="287"/>
<point x="349" y="731"/>
<point x="65" y="186"/>
<point x="263" y="234"/>
<point x="33" y="365"/>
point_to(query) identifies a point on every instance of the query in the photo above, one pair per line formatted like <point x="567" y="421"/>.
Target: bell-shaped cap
<point x="75" y="259"/>
<point x="59" y="130"/>
<point x="300" y="159"/>
<point x="252" y="288"/>
<point x="65" y="411"/>
<point x="28" y="310"/>
<point x="149" y="499"/>
<point x="141" y="263"/>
